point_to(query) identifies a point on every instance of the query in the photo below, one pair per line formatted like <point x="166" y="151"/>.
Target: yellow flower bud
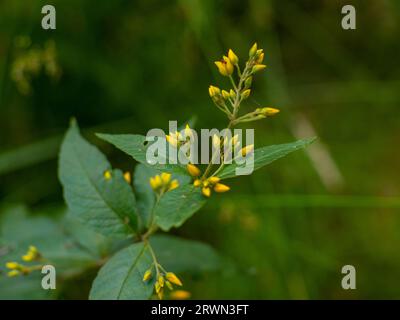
<point x="246" y="94"/>
<point x="269" y="111"/>
<point x="214" y="180"/>
<point x="260" y="58"/>
<point x="165" y="178"/>
<point x="172" y="140"/>
<point x="127" y="177"/>
<point x="160" y="294"/>
<point x="253" y="50"/>
<point x="247" y="150"/>
<point x="206" y="191"/>
<point x="107" y="174"/>
<point x="258" y="67"/>
<point x="232" y="93"/>
<point x="225" y="94"/>
<point x="13" y="273"/>
<point x="180" y="295"/>
<point x="216" y="141"/>
<point x="225" y="66"/>
<point x="169" y="285"/>
<point x="233" y="57"/>
<point x="197" y="182"/>
<point x="155" y="182"/>
<point x="188" y="131"/>
<point x="248" y="82"/>
<point x="28" y="257"/>
<point x="173" y="185"/>
<point x="213" y="91"/>
<point x="193" y="170"/>
<point x="12" y="265"/>
<point x="219" y="187"/>
<point x="171" y="277"/>
<point x="147" y="275"/>
<point x="161" y="281"/>
<point x="157" y="287"/>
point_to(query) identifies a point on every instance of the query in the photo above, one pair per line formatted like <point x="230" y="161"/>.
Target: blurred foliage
<point x="128" y="66"/>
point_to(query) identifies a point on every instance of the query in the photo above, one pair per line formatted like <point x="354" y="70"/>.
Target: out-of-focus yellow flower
<point x="31" y="255"/>
<point x="260" y="58"/>
<point x="214" y="179"/>
<point x="216" y="141"/>
<point x="161" y="281"/>
<point x="13" y="273"/>
<point x="12" y="265"/>
<point x="247" y="150"/>
<point x="107" y="175"/>
<point x="193" y="170"/>
<point x="220" y="188"/>
<point x="155" y="182"/>
<point x="180" y="295"/>
<point x="171" y="277"/>
<point x="172" y="140"/>
<point x="173" y="185"/>
<point x="128" y="177"/>
<point x="206" y="191"/>
<point x="165" y="178"/>
<point x="197" y="183"/>
<point x="233" y="57"/>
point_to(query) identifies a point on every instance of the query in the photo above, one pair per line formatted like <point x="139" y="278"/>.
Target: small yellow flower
<point x="253" y="50"/>
<point x="155" y="182"/>
<point x="233" y="57"/>
<point x="246" y="94"/>
<point x="197" y="183"/>
<point x="193" y="170"/>
<point x="225" y="94"/>
<point x="161" y="281"/>
<point x="247" y="150"/>
<point x="128" y="177"/>
<point x="260" y="58"/>
<point x="188" y="132"/>
<point x="171" y="277"/>
<point x="206" y="191"/>
<point x="165" y="178"/>
<point x="225" y="66"/>
<point x="180" y="295"/>
<point x="213" y="91"/>
<point x="13" y="273"/>
<point x="173" y="185"/>
<point x="12" y="265"/>
<point x="220" y="188"/>
<point x="258" y="67"/>
<point x="268" y="111"/>
<point x="214" y="180"/>
<point x="216" y="141"/>
<point x="232" y="93"/>
<point x="147" y="275"/>
<point x="107" y="174"/>
<point x="172" y="140"/>
<point x="31" y="255"/>
<point x="28" y="257"/>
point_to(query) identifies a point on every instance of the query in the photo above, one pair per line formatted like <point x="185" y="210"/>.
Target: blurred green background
<point x="127" y="66"/>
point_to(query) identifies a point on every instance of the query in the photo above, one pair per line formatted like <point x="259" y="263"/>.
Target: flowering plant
<point x="130" y="210"/>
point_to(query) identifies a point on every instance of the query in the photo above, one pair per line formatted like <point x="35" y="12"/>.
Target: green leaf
<point x="266" y="155"/>
<point x="176" y="206"/>
<point x="182" y="255"/>
<point x="144" y="193"/>
<point x="121" y="278"/>
<point x="136" y="146"/>
<point x="107" y="206"/>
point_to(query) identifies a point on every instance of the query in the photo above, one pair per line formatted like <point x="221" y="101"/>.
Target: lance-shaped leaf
<point x="183" y="255"/>
<point x="145" y="195"/>
<point x="106" y="205"/>
<point x="121" y="278"/>
<point x="176" y="206"/>
<point x="136" y="146"/>
<point x="266" y="155"/>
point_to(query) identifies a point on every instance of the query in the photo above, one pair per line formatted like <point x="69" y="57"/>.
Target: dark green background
<point x="128" y="66"/>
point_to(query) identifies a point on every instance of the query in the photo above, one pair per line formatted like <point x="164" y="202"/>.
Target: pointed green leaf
<point x="182" y="255"/>
<point x="176" y="206"/>
<point x="106" y="205"/>
<point x="136" y="146"/>
<point x="121" y="278"/>
<point x="266" y="155"/>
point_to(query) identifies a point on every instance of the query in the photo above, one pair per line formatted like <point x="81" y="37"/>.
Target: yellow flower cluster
<point x="164" y="279"/>
<point x="163" y="183"/>
<point x="206" y="184"/>
<point x="17" y="269"/>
